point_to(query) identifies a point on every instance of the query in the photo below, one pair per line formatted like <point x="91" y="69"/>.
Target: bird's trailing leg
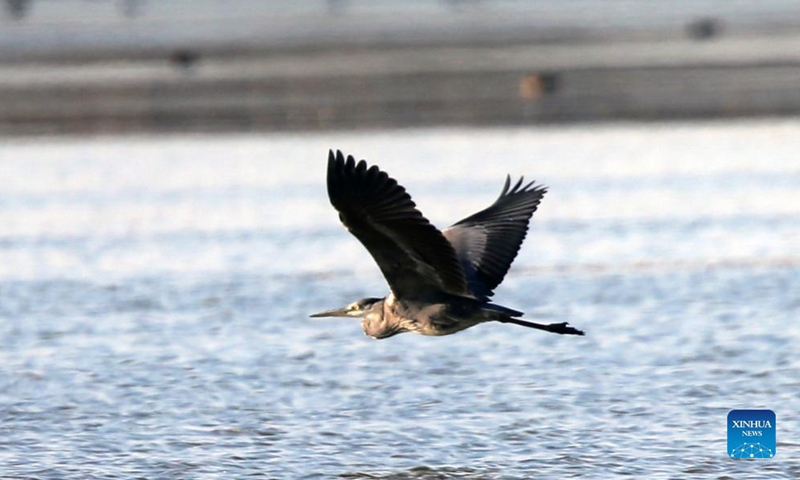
<point x="560" y="328"/>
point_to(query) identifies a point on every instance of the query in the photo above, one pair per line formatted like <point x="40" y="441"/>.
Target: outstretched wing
<point x="487" y="242"/>
<point x="413" y="255"/>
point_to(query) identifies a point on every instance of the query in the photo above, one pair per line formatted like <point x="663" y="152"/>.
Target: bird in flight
<point x="441" y="281"/>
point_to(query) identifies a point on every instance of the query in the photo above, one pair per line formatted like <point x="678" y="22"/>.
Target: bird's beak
<point x="336" y="312"/>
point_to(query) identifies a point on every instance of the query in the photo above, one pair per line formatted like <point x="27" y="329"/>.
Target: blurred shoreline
<point x="140" y="66"/>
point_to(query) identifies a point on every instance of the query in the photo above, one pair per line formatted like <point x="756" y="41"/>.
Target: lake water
<point x="155" y="292"/>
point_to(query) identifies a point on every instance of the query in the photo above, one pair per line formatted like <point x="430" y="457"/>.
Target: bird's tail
<point x="495" y="311"/>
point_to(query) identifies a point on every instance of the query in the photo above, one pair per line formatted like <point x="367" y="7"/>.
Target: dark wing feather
<point x="487" y="242"/>
<point x="413" y="255"/>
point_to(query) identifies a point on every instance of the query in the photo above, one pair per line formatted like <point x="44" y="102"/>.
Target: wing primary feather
<point x="505" y="187"/>
<point x="516" y="187"/>
<point x="414" y="257"/>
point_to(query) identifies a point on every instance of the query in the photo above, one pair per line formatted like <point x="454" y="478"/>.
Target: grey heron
<point x="440" y="281"/>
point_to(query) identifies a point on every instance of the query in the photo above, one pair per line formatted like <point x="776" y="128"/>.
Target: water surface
<point x="154" y="295"/>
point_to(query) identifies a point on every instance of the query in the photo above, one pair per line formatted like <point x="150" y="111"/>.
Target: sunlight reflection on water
<point x="155" y="294"/>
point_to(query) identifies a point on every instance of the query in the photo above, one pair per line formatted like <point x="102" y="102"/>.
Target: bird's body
<point x="445" y="315"/>
<point x="441" y="282"/>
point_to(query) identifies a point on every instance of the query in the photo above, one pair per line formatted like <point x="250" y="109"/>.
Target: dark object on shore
<point x="703" y="29"/>
<point x="18" y="9"/>
<point x="440" y="282"/>
<point x="537" y="85"/>
<point x="184" y="58"/>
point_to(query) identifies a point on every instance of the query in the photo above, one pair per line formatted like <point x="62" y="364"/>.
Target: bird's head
<point x="370" y="310"/>
<point x="357" y="309"/>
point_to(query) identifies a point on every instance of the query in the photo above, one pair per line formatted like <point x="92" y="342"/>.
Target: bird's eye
<point x="353" y="306"/>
